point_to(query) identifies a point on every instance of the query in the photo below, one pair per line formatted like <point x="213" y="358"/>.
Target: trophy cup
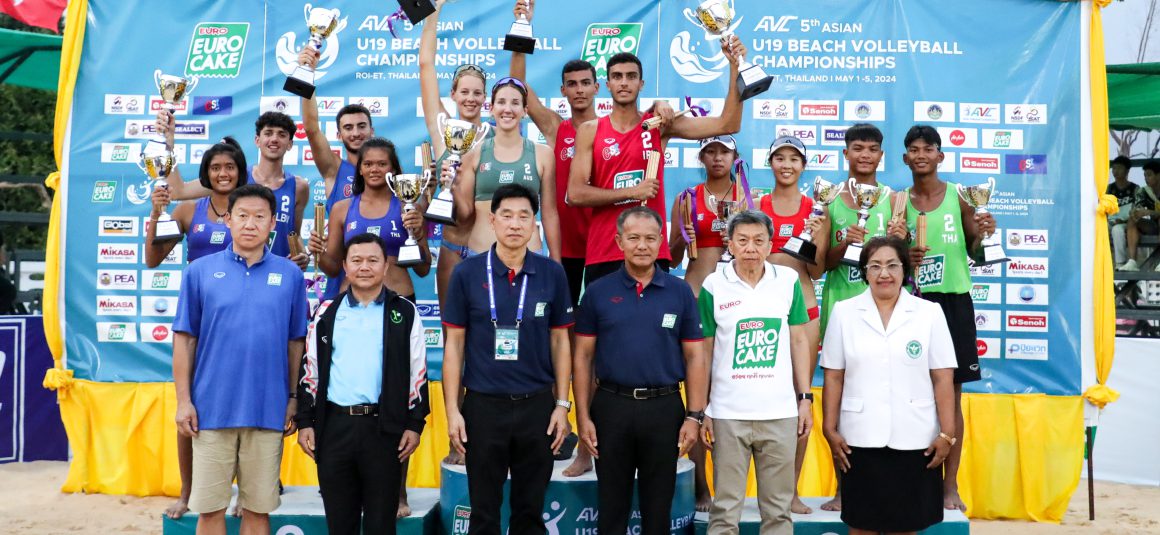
<point x="459" y="137"/>
<point x="321" y="23"/>
<point x="978" y="196"/>
<point x="866" y="196"/>
<point x="725" y="210"/>
<point x="408" y="188"/>
<point x="157" y="159"/>
<point x="519" y="38"/>
<point x="802" y="246"/>
<point x="715" y="16"/>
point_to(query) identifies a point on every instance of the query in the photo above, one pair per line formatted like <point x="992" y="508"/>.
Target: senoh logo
<point x="1026" y="349"/>
<point x="116" y="332"/>
<point x="116" y="305"/>
<point x="806" y="133"/>
<point x="979" y="113"/>
<point x="1027" y="322"/>
<point x="1030" y="240"/>
<point x="1026" y="164"/>
<point x="1035" y="268"/>
<point x="156" y="104"/>
<point x="978" y="163"/>
<point x="606" y="39"/>
<point x="117" y="226"/>
<point x="818" y="109"/>
<point x="216" y="49"/>
<point x="988" y="348"/>
<point x="117" y="279"/>
<point x="117" y="253"/>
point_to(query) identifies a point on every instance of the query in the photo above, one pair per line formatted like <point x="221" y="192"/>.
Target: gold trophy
<point x="866" y="196"/>
<point x="157" y="158"/>
<point x="459" y="137"/>
<point x="408" y="188"/>
<point x="715" y="16"/>
<point x="725" y="210"/>
<point x="802" y="246"/>
<point x="322" y="22"/>
<point x="978" y="196"/>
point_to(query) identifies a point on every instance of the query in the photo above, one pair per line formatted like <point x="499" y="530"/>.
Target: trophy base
<point x="298" y="86"/>
<point x="409" y="255"/>
<point x="440" y="211"/>
<point x="753" y="81"/>
<point x="853" y="254"/>
<point x="801" y="250"/>
<point x="417" y="10"/>
<point x="993" y="254"/>
<point x="167" y="232"/>
<point x="519" y="43"/>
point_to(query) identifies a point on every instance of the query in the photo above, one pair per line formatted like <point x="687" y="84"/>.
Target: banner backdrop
<point x="30" y="426"/>
<point x="999" y="78"/>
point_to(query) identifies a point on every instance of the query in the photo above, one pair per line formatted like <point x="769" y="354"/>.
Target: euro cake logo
<point x="606" y="39"/>
<point x="216" y="49"/>
<point x="698" y="57"/>
<point x="755" y="343"/>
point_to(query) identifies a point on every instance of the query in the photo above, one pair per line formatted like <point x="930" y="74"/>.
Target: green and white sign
<point x="216" y="49"/>
<point x="606" y="39"/>
<point x="755" y="343"/>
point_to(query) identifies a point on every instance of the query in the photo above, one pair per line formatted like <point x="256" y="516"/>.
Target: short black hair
<point x="863" y="132"/>
<point x="874" y="244"/>
<point x="1123" y="160"/>
<point x="924" y="132"/>
<point x="625" y="57"/>
<point x="230" y="147"/>
<point x="365" y="237"/>
<point x="275" y="119"/>
<point x="353" y="109"/>
<point x="1152" y="165"/>
<point x="576" y="65"/>
<point x="514" y="191"/>
<point x="639" y="211"/>
<point x="360" y="183"/>
<point x="252" y="190"/>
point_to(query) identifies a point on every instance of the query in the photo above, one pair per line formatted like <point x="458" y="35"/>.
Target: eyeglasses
<point x="508" y="80"/>
<point x="469" y="67"/>
<point x="875" y="269"/>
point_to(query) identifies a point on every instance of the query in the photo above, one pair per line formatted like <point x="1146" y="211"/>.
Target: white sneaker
<point x="1130" y="265"/>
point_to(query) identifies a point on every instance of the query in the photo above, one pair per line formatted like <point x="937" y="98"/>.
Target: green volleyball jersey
<point x="944" y="269"/>
<point x="844" y="282"/>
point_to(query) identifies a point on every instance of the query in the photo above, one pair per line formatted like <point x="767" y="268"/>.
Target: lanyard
<point x="491" y="296"/>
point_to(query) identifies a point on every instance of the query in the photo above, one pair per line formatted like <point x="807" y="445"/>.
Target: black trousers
<point x="636" y="436"/>
<point x="503" y="435"/>
<point x="359" y="474"/>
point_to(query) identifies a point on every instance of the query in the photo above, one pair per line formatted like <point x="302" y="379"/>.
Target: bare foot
<point x="952" y="501"/>
<point x="797" y="507"/>
<point x="833" y="505"/>
<point x="453" y="457"/>
<point x="704" y="503"/>
<point x="582" y="465"/>
<point x="404" y="509"/>
<point x="178" y="509"/>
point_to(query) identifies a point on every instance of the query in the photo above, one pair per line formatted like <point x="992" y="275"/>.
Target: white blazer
<point x="888" y="396"/>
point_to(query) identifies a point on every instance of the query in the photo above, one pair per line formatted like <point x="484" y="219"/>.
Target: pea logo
<point x="913" y="349"/>
<point x="396" y="317"/>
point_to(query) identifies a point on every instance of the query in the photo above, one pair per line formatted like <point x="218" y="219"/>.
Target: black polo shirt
<point x="547" y="306"/>
<point x="639" y="330"/>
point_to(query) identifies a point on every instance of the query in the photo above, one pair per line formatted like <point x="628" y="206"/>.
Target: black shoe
<point x="567" y="447"/>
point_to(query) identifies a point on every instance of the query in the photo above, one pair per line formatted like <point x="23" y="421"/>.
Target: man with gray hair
<point x="635" y="421"/>
<point x="760" y="399"/>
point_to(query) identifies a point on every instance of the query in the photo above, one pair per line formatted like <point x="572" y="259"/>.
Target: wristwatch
<point x="564" y="403"/>
<point x="947" y="438"/>
<point x="696" y="416"/>
<point x="805" y="396"/>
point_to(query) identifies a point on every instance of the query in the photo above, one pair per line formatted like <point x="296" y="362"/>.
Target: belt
<point x="638" y="393"/>
<point x="366" y="409"/>
<point x="512" y="397"/>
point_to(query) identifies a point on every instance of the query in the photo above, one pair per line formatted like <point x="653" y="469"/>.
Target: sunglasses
<point x="469" y="67"/>
<point x="508" y="80"/>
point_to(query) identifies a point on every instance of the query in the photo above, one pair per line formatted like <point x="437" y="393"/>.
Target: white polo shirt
<point x="752" y="375"/>
<point x="887" y="393"/>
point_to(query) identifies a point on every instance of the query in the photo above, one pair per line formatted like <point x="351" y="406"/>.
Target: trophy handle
<point x="441" y="120"/>
<point x="851" y="186"/>
<point x="959" y="189"/>
<point x="481" y="132"/>
<point x="991" y="184"/>
<point x="306" y="12"/>
<point x="157" y="79"/>
<point x="692" y="17"/>
<point x="191" y="83"/>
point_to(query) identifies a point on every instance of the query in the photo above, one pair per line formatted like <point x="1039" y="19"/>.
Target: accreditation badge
<point x="507" y="343"/>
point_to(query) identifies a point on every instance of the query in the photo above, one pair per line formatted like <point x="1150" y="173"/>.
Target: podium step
<point x="828" y="522"/>
<point x="301" y="514"/>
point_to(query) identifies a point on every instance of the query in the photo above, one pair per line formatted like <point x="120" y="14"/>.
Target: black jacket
<point x="403" y="403"/>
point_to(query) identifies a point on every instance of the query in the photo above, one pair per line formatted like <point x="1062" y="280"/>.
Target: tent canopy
<point x="1134" y="96"/>
<point x="29" y="59"/>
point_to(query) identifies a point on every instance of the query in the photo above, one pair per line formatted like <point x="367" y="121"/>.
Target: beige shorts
<point x="253" y="455"/>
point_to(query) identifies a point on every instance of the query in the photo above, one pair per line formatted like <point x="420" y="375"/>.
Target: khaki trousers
<point x="771" y="444"/>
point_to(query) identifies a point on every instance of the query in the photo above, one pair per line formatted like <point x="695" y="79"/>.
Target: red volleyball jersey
<point x="573" y="219"/>
<point x="785" y="227"/>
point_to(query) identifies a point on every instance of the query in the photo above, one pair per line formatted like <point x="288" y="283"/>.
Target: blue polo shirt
<point x="356" y="362"/>
<point x="243" y="317"/>
<point x="639" y="330"/>
<point x="547" y="306"/>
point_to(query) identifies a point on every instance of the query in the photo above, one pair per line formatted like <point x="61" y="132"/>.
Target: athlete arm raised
<point x="729" y="122"/>
<point x="428" y="80"/>
<point x="580" y="191"/>
<point x="549" y="217"/>
<point x="324" y="160"/>
<point x="545" y="119"/>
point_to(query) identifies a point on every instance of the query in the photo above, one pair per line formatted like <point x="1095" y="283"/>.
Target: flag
<point x="40" y="13"/>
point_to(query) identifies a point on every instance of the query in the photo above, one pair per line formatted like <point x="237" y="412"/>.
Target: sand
<point x="31" y="503"/>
